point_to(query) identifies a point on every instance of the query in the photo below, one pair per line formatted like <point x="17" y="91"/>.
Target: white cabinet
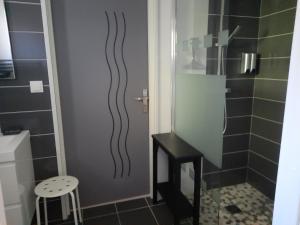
<point x="17" y="178"/>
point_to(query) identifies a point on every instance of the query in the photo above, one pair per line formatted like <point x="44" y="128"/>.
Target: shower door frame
<point x="153" y="84"/>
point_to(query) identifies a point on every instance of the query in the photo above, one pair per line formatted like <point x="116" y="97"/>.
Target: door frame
<point x="154" y="85"/>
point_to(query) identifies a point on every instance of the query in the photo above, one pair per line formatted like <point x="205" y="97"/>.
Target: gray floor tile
<point x="133" y="204"/>
<point x="137" y="217"/>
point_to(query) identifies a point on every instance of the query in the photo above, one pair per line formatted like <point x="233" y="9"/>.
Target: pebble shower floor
<point x="257" y="209"/>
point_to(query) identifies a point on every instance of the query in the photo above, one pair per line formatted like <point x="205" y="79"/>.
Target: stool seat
<point x="56" y="186"/>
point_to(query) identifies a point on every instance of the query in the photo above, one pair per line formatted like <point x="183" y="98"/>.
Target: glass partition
<point x="199" y="96"/>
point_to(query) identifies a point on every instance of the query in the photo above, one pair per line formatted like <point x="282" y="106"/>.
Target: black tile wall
<point x="263" y="166"/>
<point x="276" y="26"/>
<point x="18" y="19"/>
<point x="243" y="13"/>
<point x="270" y="89"/>
<point x="30" y="101"/>
<point x="235" y="143"/>
<point x="45" y="168"/>
<point x="242" y="7"/>
<point x="43" y="146"/>
<point x="19" y="107"/>
<point x="238" y="125"/>
<point x="226" y="178"/>
<point x="273" y="6"/>
<point x="278" y="46"/>
<point x="266" y="186"/>
<point x="274" y="68"/>
<point x="267" y="129"/>
<point x="37" y="123"/>
<point x="268" y="109"/>
<point x="235" y="160"/>
<point x="265" y="148"/>
<point x="240" y="88"/>
<point x="239" y="107"/>
<point x="27" y="70"/>
<point x="27" y="45"/>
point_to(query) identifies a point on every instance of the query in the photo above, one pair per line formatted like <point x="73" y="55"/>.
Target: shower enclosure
<point x="233" y="118"/>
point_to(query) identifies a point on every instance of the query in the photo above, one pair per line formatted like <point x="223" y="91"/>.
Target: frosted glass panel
<point x="199" y="113"/>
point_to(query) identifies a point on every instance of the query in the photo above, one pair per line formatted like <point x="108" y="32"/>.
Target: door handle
<point x="144" y="100"/>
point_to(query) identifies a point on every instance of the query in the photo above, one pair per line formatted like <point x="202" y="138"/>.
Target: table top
<point x="177" y="147"/>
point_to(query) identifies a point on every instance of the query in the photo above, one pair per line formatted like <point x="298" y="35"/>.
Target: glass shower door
<point x="199" y="99"/>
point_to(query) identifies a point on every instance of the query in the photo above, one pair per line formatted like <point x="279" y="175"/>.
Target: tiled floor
<point x="256" y="210"/>
<point x="135" y="212"/>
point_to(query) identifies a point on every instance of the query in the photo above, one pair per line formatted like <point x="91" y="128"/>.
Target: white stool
<point x="57" y="187"/>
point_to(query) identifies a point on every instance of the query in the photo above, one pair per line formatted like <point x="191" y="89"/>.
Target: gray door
<point x="101" y="48"/>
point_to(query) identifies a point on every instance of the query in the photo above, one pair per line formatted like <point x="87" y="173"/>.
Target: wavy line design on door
<point x="117" y="96"/>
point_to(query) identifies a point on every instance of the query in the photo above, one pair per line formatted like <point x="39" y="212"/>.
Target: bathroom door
<point x="101" y="48"/>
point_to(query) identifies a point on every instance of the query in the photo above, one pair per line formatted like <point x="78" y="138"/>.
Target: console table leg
<point x="177" y="182"/>
<point x="171" y="170"/>
<point x="154" y="182"/>
<point x="197" y="186"/>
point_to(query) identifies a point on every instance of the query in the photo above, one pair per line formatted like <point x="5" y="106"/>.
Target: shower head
<point x="234" y="32"/>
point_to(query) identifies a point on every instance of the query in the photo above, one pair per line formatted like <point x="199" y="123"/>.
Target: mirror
<point x="6" y="61"/>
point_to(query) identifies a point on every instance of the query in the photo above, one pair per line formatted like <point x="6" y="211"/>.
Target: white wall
<point x="2" y="209"/>
<point x="287" y="199"/>
<point x="165" y="14"/>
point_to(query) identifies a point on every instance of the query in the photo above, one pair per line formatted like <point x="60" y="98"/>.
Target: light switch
<point x="36" y="86"/>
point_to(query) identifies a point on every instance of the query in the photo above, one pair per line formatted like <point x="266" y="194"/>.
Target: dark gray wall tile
<point x="226" y="178"/>
<point x="263" y="166"/>
<point x="267" y="129"/>
<point x="248" y="26"/>
<point x="261" y="183"/>
<point x="209" y="167"/>
<point x="239" y="107"/>
<point x="271" y="6"/>
<point x="240" y="88"/>
<point x="270" y="89"/>
<point x="24" y="17"/>
<point x="277" y="24"/>
<point x="26" y="71"/>
<point x="266" y="148"/>
<point x="235" y="160"/>
<point x="235" y="143"/>
<point x="274" y="68"/>
<point x="43" y="146"/>
<point x="242" y="7"/>
<point x="20" y="99"/>
<point x="36" y="122"/>
<point x="45" y="168"/>
<point x="268" y="109"/>
<point x="279" y="46"/>
<point x="214" y="7"/>
<point x="238" y="125"/>
<point x="28" y="46"/>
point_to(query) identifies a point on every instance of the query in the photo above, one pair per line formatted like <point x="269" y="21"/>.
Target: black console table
<point x="178" y="152"/>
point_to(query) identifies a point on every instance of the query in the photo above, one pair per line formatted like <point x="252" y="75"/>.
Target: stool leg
<point x="37" y="206"/>
<point x="78" y="205"/>
<point x="74" y="208"/>
<point x="45" y="211"/>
